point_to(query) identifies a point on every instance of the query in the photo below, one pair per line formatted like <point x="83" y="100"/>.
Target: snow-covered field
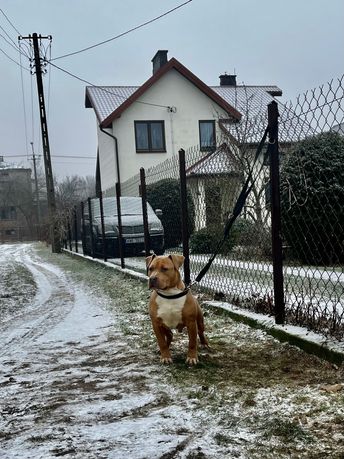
<point x="80" y="376"/>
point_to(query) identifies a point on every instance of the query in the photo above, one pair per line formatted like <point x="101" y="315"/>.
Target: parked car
<point x="132" y="228"/>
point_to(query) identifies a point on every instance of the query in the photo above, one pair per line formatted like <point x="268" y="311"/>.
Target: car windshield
<point x="129" y="206"/>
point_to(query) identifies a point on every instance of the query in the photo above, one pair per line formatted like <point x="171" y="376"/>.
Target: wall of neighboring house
<point x="181" y="126"/>
<point x="15" y="204"/>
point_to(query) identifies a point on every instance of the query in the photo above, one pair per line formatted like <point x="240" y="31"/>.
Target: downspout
<point x="116" y="155"/>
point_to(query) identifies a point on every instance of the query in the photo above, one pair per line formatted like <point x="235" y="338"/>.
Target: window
<point x="8" y="213"/>
<point x="150" y="136"/>
<point x="207" y="138"/>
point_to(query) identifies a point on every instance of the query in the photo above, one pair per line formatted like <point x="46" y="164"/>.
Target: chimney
<point x="227" y="80"/>
<point x="159" y="59"/>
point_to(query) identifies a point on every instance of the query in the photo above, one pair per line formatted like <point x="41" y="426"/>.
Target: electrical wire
<point x="53" y="156"/>
<point x="8" y="20"/>
<point x="104" y="89"/>
<point x="24" y="105"/>
<point x="13" y="60"/>
<point x="123" y="33"/>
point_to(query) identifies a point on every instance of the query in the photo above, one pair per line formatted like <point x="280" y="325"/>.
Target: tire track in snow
<point x="53" y="301"/>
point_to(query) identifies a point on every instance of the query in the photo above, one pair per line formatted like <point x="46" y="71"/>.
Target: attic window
<point x="150" y="136"/>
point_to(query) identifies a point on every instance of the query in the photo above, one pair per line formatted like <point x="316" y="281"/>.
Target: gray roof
<point x="217" y="162"/>
<point x="246" y="99"/>
<point x="106" y="99"/>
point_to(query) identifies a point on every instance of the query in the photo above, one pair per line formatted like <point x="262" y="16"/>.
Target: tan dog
<point x="169" y="313"/>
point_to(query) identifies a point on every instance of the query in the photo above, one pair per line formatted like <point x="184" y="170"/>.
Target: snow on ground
<point x="80" y="376"/>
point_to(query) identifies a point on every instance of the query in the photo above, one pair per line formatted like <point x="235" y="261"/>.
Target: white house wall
<point x="181" y="127"/>
<point x="107" y="162"/>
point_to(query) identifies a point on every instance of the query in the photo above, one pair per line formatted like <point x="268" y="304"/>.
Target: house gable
<point x="171" y="64"/>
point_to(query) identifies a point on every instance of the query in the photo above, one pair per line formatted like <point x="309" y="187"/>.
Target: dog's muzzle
<point x="153" y="282"/>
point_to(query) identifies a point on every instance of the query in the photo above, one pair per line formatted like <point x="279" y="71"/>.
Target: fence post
<point x="102" y="223"/>
<point x="76" y="230"/>
<point x="69" y="233"/>
<point x="119" y="217"/>
<point x="184" y="215"/>
<point x="83" y="225"/>
<point x="277" y="256"/>
<point x="91" y="225"/>
<point x="143" y="194"/>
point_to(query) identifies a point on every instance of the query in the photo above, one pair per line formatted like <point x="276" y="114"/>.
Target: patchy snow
<point x="80" y="376"/>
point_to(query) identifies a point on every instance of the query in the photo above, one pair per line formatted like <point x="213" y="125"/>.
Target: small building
<point x="17" y="211"/>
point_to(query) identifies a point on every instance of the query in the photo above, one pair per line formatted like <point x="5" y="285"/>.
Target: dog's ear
<point x="150" y="259"/>
<point x="177" y="260"/>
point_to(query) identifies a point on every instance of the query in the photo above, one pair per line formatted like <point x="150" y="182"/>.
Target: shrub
<point x="312" y="197"/>
<point x="243" y="232"/>
<point x="165" y="195"/>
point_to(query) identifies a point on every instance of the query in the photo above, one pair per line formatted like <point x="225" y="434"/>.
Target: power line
<point x="54" y="156"/>
<point x="123" y="33"/>
<point x="13" y="60"/>
<point x="104" y="89"/>
<point x="8" y="20"/>
<point x="8" y="42"/>
<point x="8" y="36"/>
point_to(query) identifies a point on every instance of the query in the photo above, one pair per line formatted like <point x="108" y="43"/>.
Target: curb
<point x="308" y="341"/>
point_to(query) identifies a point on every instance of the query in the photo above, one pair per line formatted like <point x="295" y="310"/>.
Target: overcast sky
<point x="294" y="44"/>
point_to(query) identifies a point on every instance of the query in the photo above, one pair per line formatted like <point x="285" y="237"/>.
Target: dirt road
<point x="80" y="376"/>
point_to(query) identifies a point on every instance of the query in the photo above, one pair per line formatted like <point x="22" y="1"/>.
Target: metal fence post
<point x="69" y="234"/>
<point x="102" y="223"/>
<point x="76" y="230"/>
<point x="119" y="217"/>
<point x="83" y="225"/>
<point x="143" y="194"/>
<point x="184" y="214"/>
<point x="91" y="225"/>
<point x="277" y="255"/>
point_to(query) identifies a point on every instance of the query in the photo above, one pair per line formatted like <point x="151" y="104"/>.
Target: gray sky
<point x="294" y="44"/>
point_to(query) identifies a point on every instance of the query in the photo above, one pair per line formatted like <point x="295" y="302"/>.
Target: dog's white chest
<point x="170" y="311"/>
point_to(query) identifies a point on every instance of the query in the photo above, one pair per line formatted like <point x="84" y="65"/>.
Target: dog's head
<point x="163" y="271"/>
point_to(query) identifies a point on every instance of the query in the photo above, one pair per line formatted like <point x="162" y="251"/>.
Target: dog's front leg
<point x="165" y="356"/>
<point x="192" y="352"/>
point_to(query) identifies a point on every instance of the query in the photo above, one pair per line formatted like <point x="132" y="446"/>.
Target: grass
<point x="247" y="381"/>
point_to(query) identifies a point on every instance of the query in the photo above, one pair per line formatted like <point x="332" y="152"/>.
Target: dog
<point x="168" y="312"/>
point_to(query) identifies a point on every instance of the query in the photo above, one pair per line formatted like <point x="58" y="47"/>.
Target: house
<point x="142" y="126"/>
<point x="16" y="203"/>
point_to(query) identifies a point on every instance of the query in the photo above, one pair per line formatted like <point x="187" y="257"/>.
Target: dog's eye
<point x="164" y="269"/>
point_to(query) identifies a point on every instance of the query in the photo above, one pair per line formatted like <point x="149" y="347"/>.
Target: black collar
<point x="173" y="297"/>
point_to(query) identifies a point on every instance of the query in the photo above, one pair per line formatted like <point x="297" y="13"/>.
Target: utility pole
<point x="38" y="209"/>
<point x="54" y="233"/>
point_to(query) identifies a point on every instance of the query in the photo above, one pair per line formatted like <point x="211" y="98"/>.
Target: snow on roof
<point x="216" y="162"/>
<point x="246" y="99"/>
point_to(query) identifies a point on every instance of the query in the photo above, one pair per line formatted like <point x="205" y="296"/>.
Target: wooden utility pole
<point x="54" y="232"/>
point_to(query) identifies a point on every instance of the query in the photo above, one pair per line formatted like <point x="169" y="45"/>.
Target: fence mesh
<point x="312" y="197"/>
<point x="311" y="142"/>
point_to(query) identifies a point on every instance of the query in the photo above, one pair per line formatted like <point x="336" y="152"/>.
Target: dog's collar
<point x="174" y="297"/>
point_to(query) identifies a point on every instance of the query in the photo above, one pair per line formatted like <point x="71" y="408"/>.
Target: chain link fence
<point x="312" y="203"/>
<point x="311" y="198"/>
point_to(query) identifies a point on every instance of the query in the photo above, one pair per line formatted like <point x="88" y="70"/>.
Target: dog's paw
<point x="192" y="360"/>
<point x="166" y="360"/>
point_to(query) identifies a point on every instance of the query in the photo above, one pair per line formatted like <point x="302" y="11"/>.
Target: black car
<point x="132" y="228"/>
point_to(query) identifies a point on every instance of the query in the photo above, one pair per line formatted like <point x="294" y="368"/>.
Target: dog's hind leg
<point x="200" y="327"/>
